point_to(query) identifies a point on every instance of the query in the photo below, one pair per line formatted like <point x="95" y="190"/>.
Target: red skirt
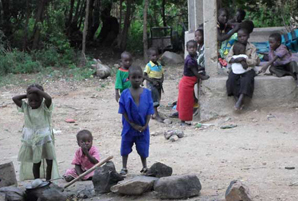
<point x="186" y="98"/>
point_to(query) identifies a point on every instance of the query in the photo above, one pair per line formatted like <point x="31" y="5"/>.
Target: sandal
<point x="123" y="171"/>
<point x="144" y="170"/>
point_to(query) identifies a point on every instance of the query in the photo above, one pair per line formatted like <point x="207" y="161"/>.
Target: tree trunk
<point x="38" y="20"/>
<point x="164" y="13"/>
<point x="26" y="25"/>
<point x="91" y="32"/>
<point x="83" y="59"/>
<point x="145" y="39"/>
<point x="82" y="15"/>
<point x="70" y="12"/>
<point x="123" y="41"/>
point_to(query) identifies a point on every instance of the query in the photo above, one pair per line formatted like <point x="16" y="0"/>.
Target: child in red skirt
<point x="190" y="77"/>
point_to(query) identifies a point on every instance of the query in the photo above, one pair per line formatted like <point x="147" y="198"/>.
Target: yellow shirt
<point x="153" y="70"/>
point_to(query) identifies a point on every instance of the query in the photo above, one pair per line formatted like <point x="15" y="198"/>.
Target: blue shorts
<point x="142" y="144"/>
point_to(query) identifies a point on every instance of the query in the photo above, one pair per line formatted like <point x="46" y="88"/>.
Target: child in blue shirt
<point x="136" y="107"/>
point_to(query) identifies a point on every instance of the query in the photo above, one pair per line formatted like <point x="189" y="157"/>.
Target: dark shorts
<point x="141" y="142"/>
<point x="155" y="92"/>
<point x="288" y="69"/>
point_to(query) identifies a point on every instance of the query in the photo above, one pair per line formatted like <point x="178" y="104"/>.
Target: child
<point x="199" y="38"/>
<point x="239" y="52"/>
<point x="239" y="17"/>
<point x="122" y="81"/>
<point x="240" y="85"/>
<point x="186" y="85"/>
<point x="85" y="157"/>
<point x="136" y="107"/>
<point x="38" y="138"/>
<point x="280" y="59"/>
<point x="154" y="75"/>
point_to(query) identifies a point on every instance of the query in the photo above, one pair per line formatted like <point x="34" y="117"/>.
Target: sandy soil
<point x="256" y="152"/>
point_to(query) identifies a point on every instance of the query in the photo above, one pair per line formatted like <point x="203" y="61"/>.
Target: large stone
<point x="178" y="187"/>
<point x="8" y="175"/>
<point x="52" y="195"/>
<point x="12" y="193"/>
<point x="237" y="191"/>
<point x="159" y="170"/>
<point x="135" y="186"/>
<point x="171" y="58"/>
<point x="270" y="92"/>
<point x="102" y="71"/>
<point x="105" y="177"/>
<point x="51" y="192"/>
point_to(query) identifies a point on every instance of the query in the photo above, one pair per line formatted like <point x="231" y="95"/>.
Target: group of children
<point x="138" y="104"/>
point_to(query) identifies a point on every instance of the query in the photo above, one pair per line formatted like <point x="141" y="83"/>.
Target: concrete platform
<point x="270" y="92"/>
<point x="262" y="34"/>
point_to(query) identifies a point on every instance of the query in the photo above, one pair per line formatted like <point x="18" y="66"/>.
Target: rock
<point x="52" y="195"/>
<point x="167" y="135"/>
<point x="8" y="175"/>
<point x="102" y="71"/>
<point x="171" y="58"/>
<point x="237" y="191"/>
<point x="47" y="193"/>
<point x="2" y="197"/>
<point x="167" y="121"/>
<point x="70" y="120"/>
<point x="105" y="177"/>
<point x="159" y="170"/>
<point x="178" y="187"/>
<point x="135" y="186"/>
<point x="180" y="134"/>
<point x="12" y="193"/>
<point x="173" y="138"/>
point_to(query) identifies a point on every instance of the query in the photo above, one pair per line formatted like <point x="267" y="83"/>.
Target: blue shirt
<point x="136" y="114"/>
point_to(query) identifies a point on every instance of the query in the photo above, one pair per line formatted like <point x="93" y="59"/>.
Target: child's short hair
<point x="134" y="69"/>
<point x="35" y="85"/>
<point x="125" y="53"/>
<point x="152" y="50"/>
<point x="191" y="42"/>
<point x="276" y="37"/>
<point x="239" y="48"/>
<point x="242" y="12"/>
<point x="223" y="10"/>
<point x="201" y="30"/>
<point x="248" y="25"/>
<point x="83" y="132"/>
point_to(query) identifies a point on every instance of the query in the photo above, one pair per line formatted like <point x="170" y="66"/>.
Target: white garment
<point x="237" y="68"/>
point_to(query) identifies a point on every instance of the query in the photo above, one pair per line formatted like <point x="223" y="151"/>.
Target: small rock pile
<point x="173" y="135"/>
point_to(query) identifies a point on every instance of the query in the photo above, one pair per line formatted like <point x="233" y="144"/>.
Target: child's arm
<point x="150" y="80"/>
<point x="18" y="99"/>
<point x="47" y="97"/>
<point x="132" y="124"/>
<point x="223" y="37"/>
<point x="78" y="169"/>
<point x="195" y="72"/>
<point x="148" y="117"/>
<point x="117" y="94"/>
<point x="90" y="157"/>
<point x="264" y="68"/>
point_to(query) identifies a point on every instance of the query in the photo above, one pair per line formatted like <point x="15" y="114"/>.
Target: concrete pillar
<point x="210" y="36"/>
<point x="199" y="17"/>
<point x="191" y="15"/>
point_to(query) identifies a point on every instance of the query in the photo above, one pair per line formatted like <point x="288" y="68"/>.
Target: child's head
<point x="248" y="25"/>
<point x="243" y="36"/>
<point x="34" y="99"/>
<point x="126" y="59"/>
<point x="135" y="76"/>
<point x="239" y="48"/>
<point x="191" y="47"/>
<point x="223" y="16"/>
<point x="85" y="138"/>
<point x="199" y="36"/>
<point x="240" y="15"/>
<point x="274" y="41"/>
<point x="153" y="54"/>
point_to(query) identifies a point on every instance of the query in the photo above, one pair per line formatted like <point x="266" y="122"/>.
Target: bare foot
<point x="204" y="77"/>
<point x="183" y="123"/>
<point x="159" y="119"/>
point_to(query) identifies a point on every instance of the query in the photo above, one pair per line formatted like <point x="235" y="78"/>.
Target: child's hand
<point x="263" y="70"/>
<point x="137" y="127"/>
<point x="143" y="128"/>
<point x="244" y="65"/>
<point x="84" y="148"/>
<point x="117" y="96"/>
<point x="155" y="83"/>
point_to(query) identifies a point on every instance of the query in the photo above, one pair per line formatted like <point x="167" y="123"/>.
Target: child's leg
<point x="239" y="102"/>
<point x="144" y="163"/>
<point x="124" y="165"/>
<point x="36" y="170"/>
<point x="49" y="169"/>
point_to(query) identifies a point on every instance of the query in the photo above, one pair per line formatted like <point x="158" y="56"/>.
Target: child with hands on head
<point x="122" y="81"/>
<point x="136" y="107"/>
<point x="38" y="138"/>
<point x="85" y="157"/>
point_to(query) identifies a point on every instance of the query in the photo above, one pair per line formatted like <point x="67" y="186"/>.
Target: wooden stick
<point x="88" y="171"/>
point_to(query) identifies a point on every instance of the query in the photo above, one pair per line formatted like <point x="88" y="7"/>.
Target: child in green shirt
<point x="122" y="81"/>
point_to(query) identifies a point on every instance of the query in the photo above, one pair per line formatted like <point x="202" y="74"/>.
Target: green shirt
<point x="122" y="81"/>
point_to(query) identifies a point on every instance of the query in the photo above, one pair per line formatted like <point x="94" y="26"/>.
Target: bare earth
<point x="256" y="152"/>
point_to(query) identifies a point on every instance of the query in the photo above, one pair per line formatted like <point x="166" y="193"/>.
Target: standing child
<point x="241" y="85"/>
<point x="186" y="85"/>
<point x="85" y="157"/>
<point x="154" y="75"/>
<point x="38" y="138"/>
<point x="122" y="81"/>
<point x="136" y="107"/>
<point x="280" y="59"/>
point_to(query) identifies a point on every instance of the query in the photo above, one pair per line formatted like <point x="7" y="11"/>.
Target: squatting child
<point x="280" y="59"/>
<point x="190" y="77"/>
<point x="85" y="157"/>
<point x="37" y="135"/>
<point x="136" y="107"/>
<point x="122" y="81"/>
<point x="154" y="76"/>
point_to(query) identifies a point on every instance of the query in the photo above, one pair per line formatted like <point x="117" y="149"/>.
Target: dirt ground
<point x="255" y="152"/>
